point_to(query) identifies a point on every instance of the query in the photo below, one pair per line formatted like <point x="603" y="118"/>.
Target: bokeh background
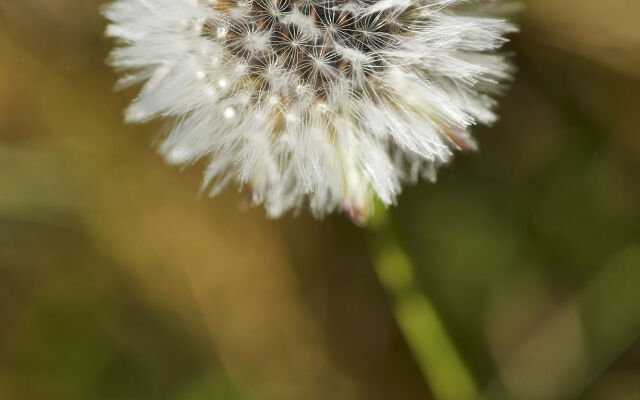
<point x="516" y="276"/>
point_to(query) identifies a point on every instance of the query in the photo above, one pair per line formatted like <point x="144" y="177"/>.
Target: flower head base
<point x="330" y="101"/>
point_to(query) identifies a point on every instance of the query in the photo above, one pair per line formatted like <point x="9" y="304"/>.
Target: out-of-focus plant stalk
<point x="578" y="341"/>
<point x="424" y="332"/>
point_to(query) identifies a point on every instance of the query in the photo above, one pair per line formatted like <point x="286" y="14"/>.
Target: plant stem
<point x="437" y="357"/>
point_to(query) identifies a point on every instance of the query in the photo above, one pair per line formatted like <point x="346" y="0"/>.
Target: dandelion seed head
<point x="329" y="103"/>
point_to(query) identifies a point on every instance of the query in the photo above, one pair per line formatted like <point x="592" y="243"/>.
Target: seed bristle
<point x="319" y="50"/>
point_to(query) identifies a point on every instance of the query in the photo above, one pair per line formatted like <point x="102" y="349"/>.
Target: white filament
<point x="292" y="141"/>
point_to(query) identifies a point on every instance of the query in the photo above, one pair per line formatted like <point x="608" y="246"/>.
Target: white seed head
<point x="330" y="102"/>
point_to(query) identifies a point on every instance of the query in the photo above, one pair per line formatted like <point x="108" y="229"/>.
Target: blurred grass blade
<point x="580" y="340"/>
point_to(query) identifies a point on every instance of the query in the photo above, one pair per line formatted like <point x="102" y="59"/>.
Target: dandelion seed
<point x="328" y="103"/>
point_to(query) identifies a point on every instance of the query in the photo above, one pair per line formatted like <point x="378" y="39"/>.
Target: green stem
<point x="434" y="351"/>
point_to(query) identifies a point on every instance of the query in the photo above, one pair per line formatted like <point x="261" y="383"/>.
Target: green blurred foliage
<point x="522" y="263"/>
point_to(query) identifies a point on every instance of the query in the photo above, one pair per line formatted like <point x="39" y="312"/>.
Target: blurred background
<point x="516" y="276"/>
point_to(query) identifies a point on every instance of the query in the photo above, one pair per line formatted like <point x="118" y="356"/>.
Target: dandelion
<point x="329" y="103"/>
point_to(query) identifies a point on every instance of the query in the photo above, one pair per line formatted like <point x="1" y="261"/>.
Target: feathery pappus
<point x="328" y="103"/>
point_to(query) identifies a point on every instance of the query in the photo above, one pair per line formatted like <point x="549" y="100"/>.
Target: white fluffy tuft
<point x="325" y="102"/>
